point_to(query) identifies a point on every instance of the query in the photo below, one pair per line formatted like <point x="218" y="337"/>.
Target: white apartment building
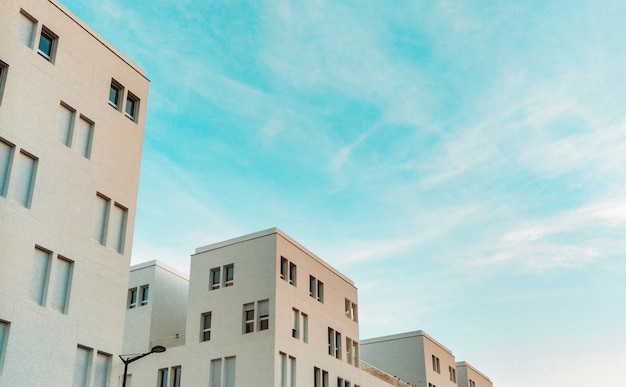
<point x="418" y="359"/>
<point x="468" y="376"/>
<point x="72" y="112"/>
<point x="262" y="310"/>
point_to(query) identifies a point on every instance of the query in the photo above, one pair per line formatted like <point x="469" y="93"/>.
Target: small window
<point x="132" y="298"/>
<point x="163" y="376"/>
<point x="248" y="318"/>
<point x="26" y="27"/>
<point x="4" y="338"/>
<point x="295" y="331"/>
<point x="144" y="294"/>
<point x="435" y="360"/>
<point x="215" y="278"/>
<point x="6" y="159"/>
<point x="115" y="94"/>
<point x="264" y="315"/>
<point x="47" y="44"/>
<point x="284" y="264"/>
<point x="292" y="273"/>
<point x="205" y="334"/>
<point x="229" y="276"/>
<point x="320" y="291"/>
<point x="176" y="375"/>
<point x="312" y="286"/>
<point x="132" y="106"/>
<point x="4" y="69"/>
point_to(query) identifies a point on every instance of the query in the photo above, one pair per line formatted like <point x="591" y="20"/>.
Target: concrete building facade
<point x="72" y="112"/>
<point x="262" y="311"/>
<point x="468" y="376"/>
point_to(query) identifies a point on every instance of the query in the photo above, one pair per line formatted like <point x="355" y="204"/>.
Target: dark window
<point x="230" y="275"/>
<point x="115" y="94"/>
<point x="47" y="44"/>
<point x="132" y="103"/>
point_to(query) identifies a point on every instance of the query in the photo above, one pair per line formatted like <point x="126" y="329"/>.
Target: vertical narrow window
<point x="81" y="366"/>
<point x="115" y="94"/>
<point x="205" y="334"/>
<point x="284" y="264"/>
<point x="26" y="25"/>
<point x="292" y="274"/>
<point x="24" y="178"/>
<point x="312" y="286"/>
<point x="39" y="276"/>
<point x="248" y="318"/>
<point x="83" y="134"/>
<point x="229" y="275"/>
<point x="101" y="219"/>
<point x="118" y="227"/>
<point x="103" y="365"/>
<point x="295" y="331"/>
<point x="305" y="328"/>
<point x="317" y="377"/>
<point x="61" y="285"/>
<point x="47" y="44"/>
<point x="229" y="371"/>
<point x="355" y="312"/>
<point x="355" y="352"/>
<point x="283" y="369"/>
<point x="4" y="69"/>
<point x="163" y="377"/>
<point x="264" y="315"/>
<point x="292" y="371"/>
<point x="216" y="373"/>
<point x="132" y="298"/>
<point x="132" y="107"/>
<point x="144" y="292"/>
<point x="65" y="123"/>
<point x="6" y="156"/>
<point x="4" y="338"/>
<point x="331" y="341"/>
<point x="324" y="378"/>
<point x="176" y="376"/>
<point x="320" y="291"/>
<point x="339" y="382"/>
<point x="348" y="350"/>
<point x="338" y="345"/>
<point x="215" y="278"/>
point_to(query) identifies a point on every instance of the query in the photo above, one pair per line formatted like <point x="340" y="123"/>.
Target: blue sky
<point x="463" y="162"/>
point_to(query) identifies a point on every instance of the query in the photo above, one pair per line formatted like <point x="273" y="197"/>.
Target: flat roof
<point x="468" y="365"/>
<point x="161" y="265"/>
<point x="406" y="335"/>
<point x="265" y="233"/>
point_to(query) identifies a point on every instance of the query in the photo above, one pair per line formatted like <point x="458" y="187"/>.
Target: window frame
<point x="53" y="38"/>
<point x="4" y="71"/>
<point x="229" y="275"/>
<point x="119" y="88"/>
<point x="248" y="318"/>
<point x="215" y="283"/>
<point x="144" y="293"/>
<point x="133" y="101"/>
<point x="132" y="298"/>
<point x="207" y="316"/>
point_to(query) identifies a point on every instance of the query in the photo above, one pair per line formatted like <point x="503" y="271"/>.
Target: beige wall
<point x="41" y="347"/>
<point x="466" y="373"/>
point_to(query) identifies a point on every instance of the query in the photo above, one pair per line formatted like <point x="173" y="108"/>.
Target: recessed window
<point x="115" y="94"/>
<point x="47" y="44"/>
<point x="132" y="298"/>
<point x="215" y="278"/>
<point x="132" y="106"/>
<point x="26" y="27"/>
<point x="144" y="290"/>
<point x="229" y="275"/>
<point x="436" y="367"/>
<point x="205" y="334"/>
<point x="4" y="337"/>
<point x="4" y="69"/>
<point x="264" y="315"/>
<point x="292" y="273"/>
<point x="248" y="318"/>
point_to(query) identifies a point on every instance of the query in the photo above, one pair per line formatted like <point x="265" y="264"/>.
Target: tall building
<point x="72" y="111"/>
<point x="262" y="310"/>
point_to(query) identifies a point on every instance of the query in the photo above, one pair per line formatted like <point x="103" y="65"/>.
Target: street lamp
<point x="127" y="361"/>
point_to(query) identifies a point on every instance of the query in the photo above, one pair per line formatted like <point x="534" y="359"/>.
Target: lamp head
<point x="158" y="349"/>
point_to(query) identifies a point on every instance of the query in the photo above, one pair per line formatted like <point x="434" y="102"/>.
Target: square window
<point x="47" y="44"/>
<point x="115" y="94"/>
<point x="132" y="106"/>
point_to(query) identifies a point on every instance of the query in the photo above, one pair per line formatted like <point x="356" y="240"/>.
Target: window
<point x="349" y="350"/>
<point x="65" y="123"/>
<point x="316" y="289"/>
<point x="101" y="219"/>
<point x="229" y="272"/>
<point x="39" y="276"/>
<point x="292" y="273"/>
<point x="22" y="185"/>
<point x="452" y="371"/>
<point x="300" y="330"/>
<point x="118" y="227"/>
<point x="81" y="366"/>
<point x="435" y="360"/>
<point x="76" y="135"/>
<point x="176" y="375"/>
<point x="4" y="338"/>
<point x="338" y="345"/>
<point x="132" y="298"/>
<point x="144" y="291"/>
<point x="6" y="158"/>
<point x="334" y="343"/>
<point x="103" y="365"/>
<point x="225" y="377"/>
<point x="26" y="26"/>
<point x="62" y="278"/>
<point x="47" y="44"/>
<point x="472" y="383"/>
<point x="264" y="315"/>
<point x="248" y="318"/>
<point x="292" y="371"/>
<point x="340" y="382"/>
<point x="132" y="106"/>
<point x="351" y="310"/>
<point x="205" y="333"/>
<point x="352" y="352"/>
<point x="320" y="378"/>
<point x="83" y="135"/>
<point x="163" y="377"/>
<point x="283" y="369"/>
<point x="215" y="278"/>
<point x="4" y="69"/>
<point x="295" y="331"/>
<point x="109" y="224"/>
<point x="284" y="267"/>
<point x="305" y="328"/>
<point x="115" y="94"/>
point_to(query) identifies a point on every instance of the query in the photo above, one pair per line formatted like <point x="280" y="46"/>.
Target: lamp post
<point x="127" y="361"/>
